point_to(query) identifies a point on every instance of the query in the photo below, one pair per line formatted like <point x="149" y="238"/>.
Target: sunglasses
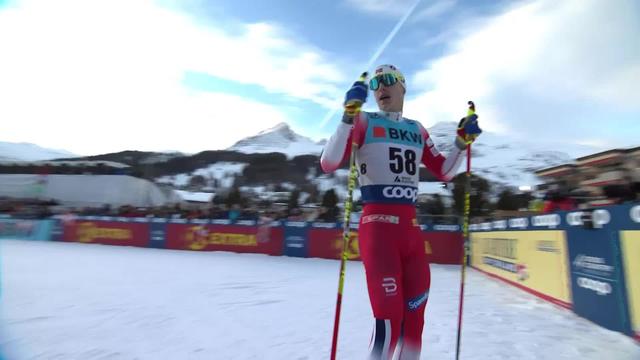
<point x="386" y="79"/>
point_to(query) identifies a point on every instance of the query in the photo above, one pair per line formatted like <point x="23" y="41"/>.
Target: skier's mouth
<point x="385" y="97"/>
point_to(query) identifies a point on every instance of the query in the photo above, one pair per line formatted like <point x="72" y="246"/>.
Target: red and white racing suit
<point x="390" y="149"/>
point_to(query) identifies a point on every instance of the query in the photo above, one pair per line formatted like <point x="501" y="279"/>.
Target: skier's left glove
<point x="468" y="131"/>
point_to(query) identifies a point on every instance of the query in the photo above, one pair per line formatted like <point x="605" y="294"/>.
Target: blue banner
<point x="295" y="238"/>
<point x="57" y="230"/>
<point x="597" y="278"/>
<point x="26" y="229"/>
<point x="158" y="233"/>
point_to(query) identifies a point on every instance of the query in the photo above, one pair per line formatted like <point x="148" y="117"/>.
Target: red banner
<point x="440" y="247"/>
<point x="107" y="232"/>
<point x="443" y="247"/>
<point x="241" y="239"/>
<point x="327" y="244"/>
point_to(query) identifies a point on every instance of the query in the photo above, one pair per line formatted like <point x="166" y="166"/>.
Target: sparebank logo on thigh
<point x="400" y="192"/>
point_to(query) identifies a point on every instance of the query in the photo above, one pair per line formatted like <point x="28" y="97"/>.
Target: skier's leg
<point x="417" y="280"/>
<point x="381" y="260"/>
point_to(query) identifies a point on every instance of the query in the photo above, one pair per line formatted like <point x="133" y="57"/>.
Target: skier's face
<point x="390" y="98"/>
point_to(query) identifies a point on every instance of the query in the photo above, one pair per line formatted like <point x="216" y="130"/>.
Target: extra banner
<point x="223" y="237"/>
<point x="534" y="260"/>
<point x="125" y="232"/>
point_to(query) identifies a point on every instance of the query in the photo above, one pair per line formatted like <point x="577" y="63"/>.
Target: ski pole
<point x="465" y="231"/>
<point x="346" y="234"/>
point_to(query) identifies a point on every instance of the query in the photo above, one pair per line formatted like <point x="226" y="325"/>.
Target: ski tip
<point x="363" y="77"/>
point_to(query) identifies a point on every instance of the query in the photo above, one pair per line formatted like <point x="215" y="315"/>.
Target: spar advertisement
<point x="241" y="237"/>
<point x="534" y="260"/>
<point x="124" y="232"/>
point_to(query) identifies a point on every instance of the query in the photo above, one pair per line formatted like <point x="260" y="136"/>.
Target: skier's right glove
<point x="355" y="97"/>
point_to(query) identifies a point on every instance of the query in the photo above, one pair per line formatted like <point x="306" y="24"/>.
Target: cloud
<point x="583" y="53"/>
<point x="434" y="9"/>
<point x="389" y="7"/>
<point x="111" y="72"/>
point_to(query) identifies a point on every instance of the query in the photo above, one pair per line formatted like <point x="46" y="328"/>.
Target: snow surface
<point x="86" y="301"/>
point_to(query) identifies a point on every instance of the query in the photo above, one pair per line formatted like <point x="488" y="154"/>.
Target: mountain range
<point x="280" y="155"/>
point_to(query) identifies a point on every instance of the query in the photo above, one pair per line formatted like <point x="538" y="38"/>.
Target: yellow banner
<point x="533" y="259"/>
<point x="631" y="257"/>
<point x="198" y="238"/>
<point x="88" y="231"/>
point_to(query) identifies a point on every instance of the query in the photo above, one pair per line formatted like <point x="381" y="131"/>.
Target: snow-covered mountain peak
<point x="280" y="138"/>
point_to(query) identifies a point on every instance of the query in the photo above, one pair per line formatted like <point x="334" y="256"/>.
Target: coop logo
<point x="414" y="304"/>
<point x="635" y="213"/>
<point x="601" y="288"/>
<point x="499" y="224"/>
<point x="397" y="192"/>
<point x="390" y="287"/>
<point x="87" y="232"/>
<point x="518" y="223"/>
<point x="598" y="217"/>
<point x="574" y="218"/>
<point x="552" y="220"/>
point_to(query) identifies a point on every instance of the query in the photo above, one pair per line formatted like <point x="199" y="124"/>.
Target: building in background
<point x="603" y="178"/>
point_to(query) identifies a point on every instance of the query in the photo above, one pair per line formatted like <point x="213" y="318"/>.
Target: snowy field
<point x="80" y="301"/>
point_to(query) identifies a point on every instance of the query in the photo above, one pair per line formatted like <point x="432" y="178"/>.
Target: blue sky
<point x="94" y="77"/>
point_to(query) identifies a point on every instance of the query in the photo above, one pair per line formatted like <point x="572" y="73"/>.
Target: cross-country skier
<point x="390" y="149"/>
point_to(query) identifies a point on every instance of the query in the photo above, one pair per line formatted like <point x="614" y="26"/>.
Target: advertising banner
<point x="630" y="242"/>
<point x="535" y="261"/>
<point x="26" y="229"/>
<point x="325" y="241"/>
<point x="443" y="247"/>
<point x="295" y="238"/>
<point x="109" y="232"/>
<point x="215" y="237"/>
<point x="597" y="279"/>
<point x="158" y="233"/>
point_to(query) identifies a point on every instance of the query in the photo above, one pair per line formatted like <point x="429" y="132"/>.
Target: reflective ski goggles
<point x="386" y="79"/>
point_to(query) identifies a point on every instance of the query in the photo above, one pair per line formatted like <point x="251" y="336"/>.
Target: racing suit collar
<point x="394" y="116"/>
